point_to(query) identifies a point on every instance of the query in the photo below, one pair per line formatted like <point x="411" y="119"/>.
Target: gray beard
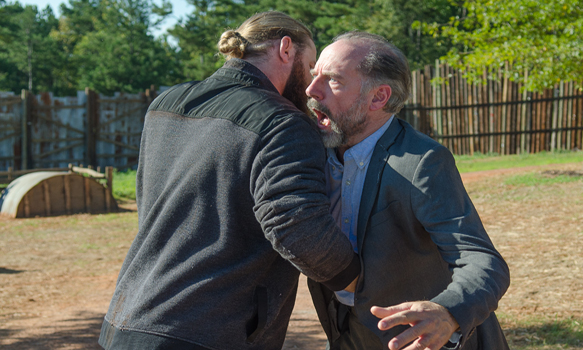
<point x="343" y="125"/>
<point x="333" y="139"/>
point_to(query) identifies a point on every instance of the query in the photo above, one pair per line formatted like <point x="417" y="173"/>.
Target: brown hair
<point x="254" y="37"/>
<point x="383" y="64"/>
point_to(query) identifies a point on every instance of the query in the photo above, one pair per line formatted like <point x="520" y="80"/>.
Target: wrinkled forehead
<point x="343" y="55"/>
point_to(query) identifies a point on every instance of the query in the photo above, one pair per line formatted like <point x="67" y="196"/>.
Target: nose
<point x="313" y="91"/>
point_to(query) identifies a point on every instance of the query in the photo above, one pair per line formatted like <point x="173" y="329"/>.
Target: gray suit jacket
<point x="420" y="238"/>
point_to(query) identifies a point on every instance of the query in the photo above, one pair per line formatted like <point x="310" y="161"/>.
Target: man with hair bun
<point x="431" y="277"/>
<point x="231" y="203"/>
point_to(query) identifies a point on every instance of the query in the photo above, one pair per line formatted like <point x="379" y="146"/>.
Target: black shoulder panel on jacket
<point x="252" y="107"/>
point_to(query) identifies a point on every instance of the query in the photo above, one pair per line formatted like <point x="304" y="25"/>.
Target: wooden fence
<point x="43" y="131"/>
<point x="495" y="117"/>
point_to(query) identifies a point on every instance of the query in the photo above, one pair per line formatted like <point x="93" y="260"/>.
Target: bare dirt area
<point x="58" y="274"/>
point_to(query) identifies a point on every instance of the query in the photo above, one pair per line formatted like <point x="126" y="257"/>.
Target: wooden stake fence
<point x="495" y="117"/>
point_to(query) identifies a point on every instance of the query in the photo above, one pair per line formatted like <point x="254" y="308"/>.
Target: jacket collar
<point x="245" y="73"/>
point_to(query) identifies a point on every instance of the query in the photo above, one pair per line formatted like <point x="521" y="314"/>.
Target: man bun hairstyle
<point x="383" y="64"/>
<point x="256" y="35"/>
<point x="232" y="44"/>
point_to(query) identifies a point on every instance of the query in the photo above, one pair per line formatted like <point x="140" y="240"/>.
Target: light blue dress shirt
<point x="344" y="183"/>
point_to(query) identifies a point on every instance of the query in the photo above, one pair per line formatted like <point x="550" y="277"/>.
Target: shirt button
<point x="333" y="168"/>
<point x="361" y="163"/>
<point x="348" y="182"/>
<point x="346" y="221"/>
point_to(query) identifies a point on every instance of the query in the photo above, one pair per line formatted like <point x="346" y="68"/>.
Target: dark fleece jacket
<point x="232" y="205"/>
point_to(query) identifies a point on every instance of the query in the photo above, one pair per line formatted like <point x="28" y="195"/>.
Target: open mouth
<point x="323" y="119"/>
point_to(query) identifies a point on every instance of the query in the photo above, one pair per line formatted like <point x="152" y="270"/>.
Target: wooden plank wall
<point x="44" y="131"/>
<point x="495" y="117"/>
<point x="10" y="130"/>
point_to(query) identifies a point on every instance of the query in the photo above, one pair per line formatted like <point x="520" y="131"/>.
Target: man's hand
<point x="431" y="324"/>
<point x="352" y="286"/>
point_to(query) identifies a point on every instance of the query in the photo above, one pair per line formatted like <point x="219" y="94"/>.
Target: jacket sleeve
<point x="288" y="186"/>
<point x="480" y="274"/>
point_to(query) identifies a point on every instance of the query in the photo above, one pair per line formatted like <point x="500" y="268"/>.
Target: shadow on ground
<point x="6" y="271"/>
<point x="79" y="332"/>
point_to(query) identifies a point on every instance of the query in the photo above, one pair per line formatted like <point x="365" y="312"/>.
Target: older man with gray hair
<point x="429" y="270"/>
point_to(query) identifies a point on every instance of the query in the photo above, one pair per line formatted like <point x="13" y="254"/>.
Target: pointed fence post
<point x="92" y="127"/>
<point x="25" y="130"/>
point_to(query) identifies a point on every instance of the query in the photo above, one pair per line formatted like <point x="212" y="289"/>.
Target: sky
<point x="179" y="9"/>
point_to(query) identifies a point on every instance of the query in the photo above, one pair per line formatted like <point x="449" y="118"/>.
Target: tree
<point x="541" y="40"/>
<point x="392" y="19"/>
<point x="121" y="54"/>
<point x="397" y="20"/>
<point x="29" y="55"/>
<point x="199" y="34"/>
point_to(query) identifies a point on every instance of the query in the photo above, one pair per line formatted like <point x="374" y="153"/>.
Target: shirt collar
<point x="362" y="151"/>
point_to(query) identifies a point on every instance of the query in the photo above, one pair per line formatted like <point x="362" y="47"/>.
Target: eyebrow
<point x="327" y="74"/>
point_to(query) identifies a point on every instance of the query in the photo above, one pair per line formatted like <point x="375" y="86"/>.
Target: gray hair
<point x="383" y="64"/>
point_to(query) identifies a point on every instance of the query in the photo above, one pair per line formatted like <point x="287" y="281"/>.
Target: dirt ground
<point x="57" y="274"/>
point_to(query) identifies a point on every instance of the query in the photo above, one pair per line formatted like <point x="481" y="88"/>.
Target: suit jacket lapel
<point x="378" y="161"/>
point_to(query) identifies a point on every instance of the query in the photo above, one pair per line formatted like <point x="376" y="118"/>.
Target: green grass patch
<point x="124" y="184"/>
<point x="543" y="332"/>
<point x="537" y="179"/>
<point x="479" y="162"/>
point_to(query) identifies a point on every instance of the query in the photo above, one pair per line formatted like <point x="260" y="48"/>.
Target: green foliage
<point x="121" y="54"/>
<point x="398" y="21"/>
<point x="107" y="45"/>
<point x="26" y="48"/>
<point x="199" y="34"/>
<point x="541" y="40"/>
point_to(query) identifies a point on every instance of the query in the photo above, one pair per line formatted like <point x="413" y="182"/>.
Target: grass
<point x="124" y="184"/>
<point x="480" y="162"/>
<point x="537" y="179"/>
<point x="542" y="333"/>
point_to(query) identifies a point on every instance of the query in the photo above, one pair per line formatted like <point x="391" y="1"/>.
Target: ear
<point x="381" y="97"/>
<point x="286" y="49"/>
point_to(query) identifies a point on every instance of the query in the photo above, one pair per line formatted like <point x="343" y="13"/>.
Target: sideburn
<point x="295" y="87"/>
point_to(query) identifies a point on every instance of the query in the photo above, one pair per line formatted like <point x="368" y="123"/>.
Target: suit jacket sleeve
<point x="480" y="276"/>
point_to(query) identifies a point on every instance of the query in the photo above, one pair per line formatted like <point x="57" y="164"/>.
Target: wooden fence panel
<point x="120" y="122"/>
<point x="10" y="126"/>
<point x="57" y="130"/>
<point x="44" y="131"/>
<point x="496" y="116"/>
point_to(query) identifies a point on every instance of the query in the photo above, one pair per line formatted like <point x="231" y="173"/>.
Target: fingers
<point x="388" y="311"/>
<point x="419" y="337"/>
<point x="431" y="325"/>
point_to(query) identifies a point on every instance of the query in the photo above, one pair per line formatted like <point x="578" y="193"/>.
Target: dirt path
<point x="57" y="274"/>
